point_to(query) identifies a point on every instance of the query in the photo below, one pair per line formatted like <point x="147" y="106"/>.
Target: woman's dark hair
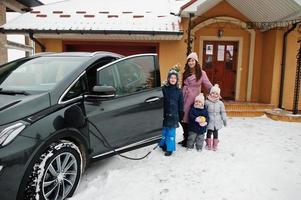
<point x="197" y="68"/>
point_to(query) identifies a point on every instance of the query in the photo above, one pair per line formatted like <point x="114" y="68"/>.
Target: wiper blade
<point x="13" y="92"/>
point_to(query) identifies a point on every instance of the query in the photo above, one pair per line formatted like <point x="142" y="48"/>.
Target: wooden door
<point x="220" y="64"/>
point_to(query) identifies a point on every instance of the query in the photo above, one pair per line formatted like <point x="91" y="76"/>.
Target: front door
<point x="220" y="64"/>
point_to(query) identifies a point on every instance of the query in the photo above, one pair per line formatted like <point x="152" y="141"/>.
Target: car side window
<point x="136" y="74"/>
<point x="107" y="77"/>
<point x="92" y="71"/>
<point x="76" y="90"/>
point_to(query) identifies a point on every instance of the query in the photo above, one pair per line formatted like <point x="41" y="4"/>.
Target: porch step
<point x="246" y="109"/>
<point x="283" y="115"/>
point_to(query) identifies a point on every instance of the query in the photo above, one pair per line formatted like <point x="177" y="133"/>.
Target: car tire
<point x="56" y="173"/>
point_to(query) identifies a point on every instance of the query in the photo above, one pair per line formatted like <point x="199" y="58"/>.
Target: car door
<point x="135" y="113"/>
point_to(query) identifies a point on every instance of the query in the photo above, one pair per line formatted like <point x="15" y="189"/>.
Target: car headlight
<point x="10" y="132"/>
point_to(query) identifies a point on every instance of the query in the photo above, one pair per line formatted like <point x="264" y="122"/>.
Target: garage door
<point x="125" y="49"/>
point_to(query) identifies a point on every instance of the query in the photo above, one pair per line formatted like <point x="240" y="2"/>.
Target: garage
<point x="123" y="48"/>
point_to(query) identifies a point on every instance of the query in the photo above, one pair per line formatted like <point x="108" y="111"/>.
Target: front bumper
<point x="14" y="159"/>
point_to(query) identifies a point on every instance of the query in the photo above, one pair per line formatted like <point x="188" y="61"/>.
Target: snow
<point x="125" y="15"/>
<point x="257" y="159"/>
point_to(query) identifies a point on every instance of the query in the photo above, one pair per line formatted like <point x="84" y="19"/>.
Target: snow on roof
<point x="100" y="16"/>
<point x="255" y="10"/>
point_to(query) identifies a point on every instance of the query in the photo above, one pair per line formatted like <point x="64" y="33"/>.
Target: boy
<point x="173" y="112"/>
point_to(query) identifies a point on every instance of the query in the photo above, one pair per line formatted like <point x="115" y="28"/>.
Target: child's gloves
<point x="203" y="124"/>
<point x="200" y="119"/>
<point x="225" y="123"/>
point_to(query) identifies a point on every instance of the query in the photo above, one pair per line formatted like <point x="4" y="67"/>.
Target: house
<point x="248" y="47"/>
<point x="20" y="6"/>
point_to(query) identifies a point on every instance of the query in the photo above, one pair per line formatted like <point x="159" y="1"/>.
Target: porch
<point x="250" y="109"/>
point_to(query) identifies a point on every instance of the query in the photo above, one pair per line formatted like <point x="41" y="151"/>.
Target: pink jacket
<point x="191" y="89"/>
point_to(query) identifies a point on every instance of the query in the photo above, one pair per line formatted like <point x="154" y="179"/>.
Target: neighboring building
<point x="236" y="49"/>
<point x="20" y="6"/>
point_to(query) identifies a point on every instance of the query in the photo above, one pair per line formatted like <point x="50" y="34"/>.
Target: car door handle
<point x="152" y="99"/>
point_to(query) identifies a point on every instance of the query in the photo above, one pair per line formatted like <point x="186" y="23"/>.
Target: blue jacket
<point x="173" y="106"/>
<point x="195" y="126"/>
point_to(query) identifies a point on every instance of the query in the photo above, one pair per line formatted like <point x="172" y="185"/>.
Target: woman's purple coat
<point x="191" y="89"/>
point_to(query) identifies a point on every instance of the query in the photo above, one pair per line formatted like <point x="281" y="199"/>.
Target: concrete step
<point x="283" y="115"/>
<point x="246" y="109"/>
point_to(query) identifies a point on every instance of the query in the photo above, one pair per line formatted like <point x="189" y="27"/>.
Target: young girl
<point x="217" y="117"/>
<point x="198" y="119"/>
<point x="173" y="112"/>
<point x="193" y="78"/>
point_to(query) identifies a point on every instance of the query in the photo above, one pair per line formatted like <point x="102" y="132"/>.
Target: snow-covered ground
<point x="257" y="159"/>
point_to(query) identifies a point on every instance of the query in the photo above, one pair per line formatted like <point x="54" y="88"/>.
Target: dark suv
<point x="60" y="111"/>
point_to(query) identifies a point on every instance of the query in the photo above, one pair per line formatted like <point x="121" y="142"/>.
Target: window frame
<point x="113" y="64"/>
<point x="69" y="87"/>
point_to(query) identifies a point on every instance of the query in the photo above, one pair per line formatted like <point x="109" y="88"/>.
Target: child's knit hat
<point x="215" y="89"/>
<point x="200" y="98"/>
<point x="194" y="56"/>
<point x="172" y="72"/>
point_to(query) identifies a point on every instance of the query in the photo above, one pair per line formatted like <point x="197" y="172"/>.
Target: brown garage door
<point x="125" y="49"/>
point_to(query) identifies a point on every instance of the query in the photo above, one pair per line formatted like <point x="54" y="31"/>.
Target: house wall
<point x="232" y="30"/>
<point x="276" y="79"/>
<point x="290" y="73"/>
<point x="267" y="65"/>
<point x="221" y="9"/>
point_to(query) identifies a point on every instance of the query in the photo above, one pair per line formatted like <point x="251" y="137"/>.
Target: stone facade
<point x="3" y="49"/>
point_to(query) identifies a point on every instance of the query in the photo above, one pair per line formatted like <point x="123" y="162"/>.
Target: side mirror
<point x="103" y="91"/>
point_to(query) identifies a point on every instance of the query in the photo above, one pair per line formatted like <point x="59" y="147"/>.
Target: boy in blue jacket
<point x="172" y="112"/>
<point x="198" y="120"/>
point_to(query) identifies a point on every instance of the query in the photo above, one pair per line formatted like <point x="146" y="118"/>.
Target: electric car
<point x="60" y="111"/>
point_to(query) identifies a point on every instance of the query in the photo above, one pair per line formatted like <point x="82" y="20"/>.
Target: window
<point x="136" y="74"/>
<point x="107" y="77"/>
<point x="76" y="90"/>
<point x="38" y="74"/>
<point x="131" y="75"/>
<point x="92" y="71"/>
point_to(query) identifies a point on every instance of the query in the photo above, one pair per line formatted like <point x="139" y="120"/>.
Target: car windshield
<point x="37" y="74"/>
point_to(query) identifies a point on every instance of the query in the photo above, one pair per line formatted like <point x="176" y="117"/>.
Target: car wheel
<point x="56" y="174"/>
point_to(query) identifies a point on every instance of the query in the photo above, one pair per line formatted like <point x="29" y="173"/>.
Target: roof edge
<point x="105" y="32"/>
<point x="187" y="5"/>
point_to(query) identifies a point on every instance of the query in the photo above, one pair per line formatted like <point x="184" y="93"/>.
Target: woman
<point x="193" y="78"/>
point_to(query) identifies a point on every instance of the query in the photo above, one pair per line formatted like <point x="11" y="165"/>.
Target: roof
<point x="30" y="3"/>
<point x="101" y="17"/>
<point x="255" y="10"/>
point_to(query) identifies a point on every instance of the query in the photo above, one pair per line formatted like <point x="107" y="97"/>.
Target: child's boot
<point x="168" y="153"/>
<point x="215" y="142"/>
<point x="209" y="143"/>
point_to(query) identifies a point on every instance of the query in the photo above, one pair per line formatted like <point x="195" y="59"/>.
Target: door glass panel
<point x="107" y="78"/>
<point x="208" y="61"/>
<point x="220" y="52"/>
<point x="136" y="74"/>
<point x="229" y="57"/>
<point x="208" y="56"/>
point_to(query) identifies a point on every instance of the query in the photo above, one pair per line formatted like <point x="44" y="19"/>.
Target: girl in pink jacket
<point x="193" y="78"/>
